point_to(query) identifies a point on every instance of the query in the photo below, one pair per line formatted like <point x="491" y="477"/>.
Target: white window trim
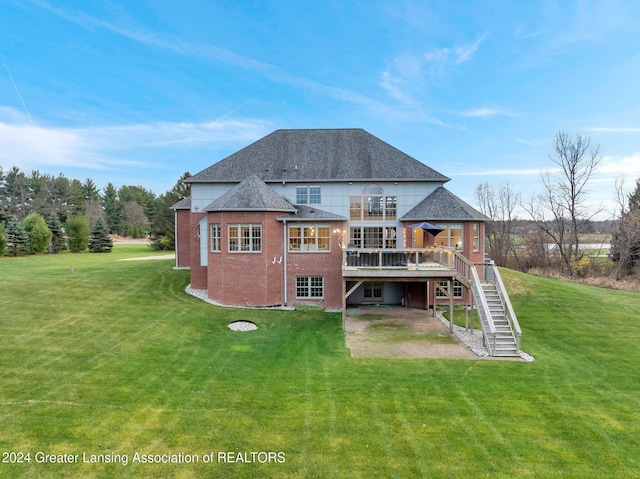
<point x="309" y="287"/>
<point x="217" y="238"/>
<point x="239" y="226"/>
<point x="316" y="237"/>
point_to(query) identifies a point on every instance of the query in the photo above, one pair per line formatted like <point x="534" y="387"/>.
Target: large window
<point x="373" y="205"/>
<point x="309" y="287"/>
<point x="373" y="237"/>
<point x="457" y="289"/>
<point x="476" y="237"/>
<point x="451" y="236"/>
<point x="245" y="238"/>
<point x="309" y="238"/>
<point x="372" y="292"/>
<point x="308" y="195"/>
<point x="215" y="239"/>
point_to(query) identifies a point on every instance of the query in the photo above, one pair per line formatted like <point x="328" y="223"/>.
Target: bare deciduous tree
<point x="561" y="211"/>
<point x="625" y="241"/>
<point x="499" y="205"/>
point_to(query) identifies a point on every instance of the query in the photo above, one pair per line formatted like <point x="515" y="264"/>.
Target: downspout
<point x="284" y="255"/>
<point x="175" y="234"/>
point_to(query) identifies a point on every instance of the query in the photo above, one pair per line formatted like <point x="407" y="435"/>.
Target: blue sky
<point x="139" y="92"/>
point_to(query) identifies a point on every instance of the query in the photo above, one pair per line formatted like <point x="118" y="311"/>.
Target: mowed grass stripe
<point x="120" y="359"/>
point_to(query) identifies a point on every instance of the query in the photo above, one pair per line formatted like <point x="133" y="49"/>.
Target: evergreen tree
<point x="58" y="241"/>
<point x="38" y="233"/>
<point x="3" y="239"/>
<point x="17" y="238"/>
<point x="163" y="224"/>
<point x="100" y="241"/>
<point x="78" y="231"/>
<point x="112" y="208"/>
<point x="60" y="197"/>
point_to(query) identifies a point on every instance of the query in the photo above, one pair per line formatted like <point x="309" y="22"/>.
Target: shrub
<point x="38" y="233"/>
<point x="78" y="232"/>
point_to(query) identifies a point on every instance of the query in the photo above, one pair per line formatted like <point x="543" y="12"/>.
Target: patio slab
<point x="397" y="332"/>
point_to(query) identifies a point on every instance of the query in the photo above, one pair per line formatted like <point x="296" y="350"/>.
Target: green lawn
<point x="115" y="359"/>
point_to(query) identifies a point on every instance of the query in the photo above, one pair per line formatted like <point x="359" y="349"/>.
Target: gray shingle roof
<point x="183" y="204"/>
<point x="308" y="213"/>
<point x="444" y="206"/>
<point x="252" y="194"/>
<point x="319" y="155"/>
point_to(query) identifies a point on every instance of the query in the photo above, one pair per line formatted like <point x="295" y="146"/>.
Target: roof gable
<point x="309" y="213"/>
<point x="443" y="205"/>
<point x="252" y="194"/>
<point x="183" y="204"/>
<point x="319" y="155"/>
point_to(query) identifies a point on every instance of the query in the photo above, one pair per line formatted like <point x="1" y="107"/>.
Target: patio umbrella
<point x="433" y="229"/>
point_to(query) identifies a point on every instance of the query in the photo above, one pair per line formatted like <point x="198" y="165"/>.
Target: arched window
<point x="373" y="201"/>
<point x="373" y="205"/>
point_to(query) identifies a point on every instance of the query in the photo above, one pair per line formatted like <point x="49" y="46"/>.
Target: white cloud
<point x="486" y="113"/>
<point x="465" y="53"/>
<point x="614" y="129"/>
<point x="440" y="58"/>
<point x="627" y="166"/>
<point x="208" y="52"/>
<point x="501" y="172"/>
<point x="30" y="146"/>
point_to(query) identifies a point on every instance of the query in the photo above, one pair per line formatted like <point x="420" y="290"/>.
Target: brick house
<point x="332" y="218"/>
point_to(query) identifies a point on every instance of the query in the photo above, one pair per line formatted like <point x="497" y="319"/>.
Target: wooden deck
<point x="401" y="265"/>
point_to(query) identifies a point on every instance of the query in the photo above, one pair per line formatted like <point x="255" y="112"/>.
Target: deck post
<point x="344" y="301"/>
<point x="450" y="306"/>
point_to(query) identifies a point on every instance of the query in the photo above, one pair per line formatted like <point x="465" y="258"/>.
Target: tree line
<point x="550" y="238"/>
<point x="45" y="213"/>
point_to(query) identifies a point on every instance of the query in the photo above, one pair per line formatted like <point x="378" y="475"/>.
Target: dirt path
<point x="144" y="258"/>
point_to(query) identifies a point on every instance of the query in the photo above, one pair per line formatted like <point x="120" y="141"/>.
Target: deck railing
<point x="413" y="258"/>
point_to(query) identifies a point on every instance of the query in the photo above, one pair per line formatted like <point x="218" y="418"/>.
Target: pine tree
<point x="100" y="241"/>
<point x="3" y="239"/>
<point x="163" y="224"/>
<point x="112" y="208"/>
<point x="18" y="240"/>
<point x="58" y="241"/>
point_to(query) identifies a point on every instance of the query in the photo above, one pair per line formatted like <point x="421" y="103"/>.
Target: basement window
<point x="309" y="287"/>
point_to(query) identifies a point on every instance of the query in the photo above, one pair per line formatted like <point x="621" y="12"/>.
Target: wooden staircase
<point x="505" y="342"/>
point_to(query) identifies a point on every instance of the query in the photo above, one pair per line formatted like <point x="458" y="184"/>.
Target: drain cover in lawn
<point x="242" y="325"/>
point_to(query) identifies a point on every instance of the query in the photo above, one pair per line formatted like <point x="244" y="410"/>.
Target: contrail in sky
<point x="16" y="88"/>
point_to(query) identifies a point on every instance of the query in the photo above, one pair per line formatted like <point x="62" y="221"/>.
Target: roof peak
<point x="336" y="154"/>
<point x="251" y="194"/>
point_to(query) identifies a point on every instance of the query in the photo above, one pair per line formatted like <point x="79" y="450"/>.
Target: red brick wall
<point x="467" y="249"/>
<point x="198" y="273"/>
<point x="325" y="264"/>
<point x="256" y="278"/>
<point x="247" y="278"/>
<point x="183" y="239"/>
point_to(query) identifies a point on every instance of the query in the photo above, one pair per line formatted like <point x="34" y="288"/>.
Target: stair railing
<point x="504" y="297"/>
<point x="488" y="328"/>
